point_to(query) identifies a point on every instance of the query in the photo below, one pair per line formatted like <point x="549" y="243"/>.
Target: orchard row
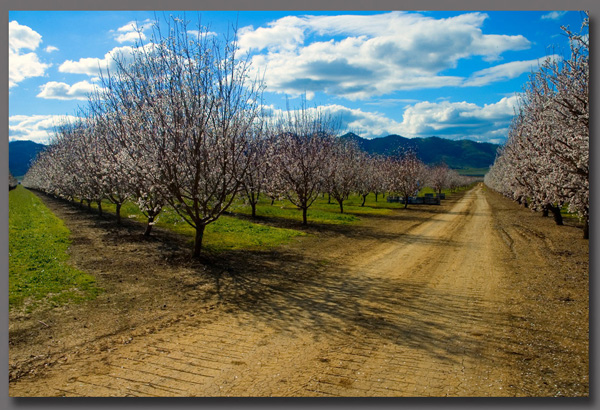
<point x="179" y="122"/>
<point x="545" y="162"/>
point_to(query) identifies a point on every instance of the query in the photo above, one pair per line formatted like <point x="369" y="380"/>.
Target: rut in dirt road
<point x="421" y="316"/>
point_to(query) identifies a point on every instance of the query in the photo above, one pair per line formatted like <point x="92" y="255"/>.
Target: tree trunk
<point x="586" y="229"/>
<point x="272" y="201"/>
<point x="100" y="208"/>
<point x="81" y="203"/>
<point x="198" y="241"/>
<point x="119" y="214"/>
<point x="364" y="200"/>
<point x="376" y="194"/>
<point x="149" y="225"/>
<point x="304" y="220"/>
<point x="341" y="206"/>
<point x="405" y="202"/>
<point x="545" y="211"/>
<point x="328" y="198"/>
<point x="556" y="213"/>
<point x="253" y="205"/>
<point x="89" y="202"/>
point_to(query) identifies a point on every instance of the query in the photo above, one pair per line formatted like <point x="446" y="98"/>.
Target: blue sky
<point x="417" y="74"/>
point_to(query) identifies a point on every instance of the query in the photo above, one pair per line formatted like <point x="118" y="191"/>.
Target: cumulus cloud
<point x="506" y="71"/>
<point x="62" y="91"/>
<point x="359" y="57"/>
<point x="92" y="65"/>
<point x="50" y="49"/>
<point x="554" y="15"/>
<point x="133" y="31"/>
<point x="452" y="120"/>
<point x="22" y="64"/>
<point x="456" y="120"/>
<point x="37" y="128"/>
<point x="196" y="33"/>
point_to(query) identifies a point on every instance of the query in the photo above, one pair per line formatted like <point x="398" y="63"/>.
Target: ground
<point x="476" y="297"/>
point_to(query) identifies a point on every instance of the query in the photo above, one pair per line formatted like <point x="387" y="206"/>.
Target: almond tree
<point x="438" y="177"/>
<point x="546" y="157"/>
<point x="258" y="178"/>
<point x="367" y="176"/>
<point x="303" y="148"/>
<point x="194" y="95"/>
<point x="408" y="175"/>
<point x="12" y="181"/>
<point x="344" y="161"/>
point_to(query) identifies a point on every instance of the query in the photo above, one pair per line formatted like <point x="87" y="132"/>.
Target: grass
<point x="38" y="260"/>
<point x="320" y="212"/>
<point x="232" y="232"/>
<point x="226" y="233"/>
<point x="473" y="172"/>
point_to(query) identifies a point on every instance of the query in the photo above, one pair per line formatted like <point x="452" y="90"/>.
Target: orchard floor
<point x="476" y="297"/>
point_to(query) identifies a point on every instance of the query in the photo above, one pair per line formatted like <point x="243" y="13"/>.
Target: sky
<point x="454" y="74"/>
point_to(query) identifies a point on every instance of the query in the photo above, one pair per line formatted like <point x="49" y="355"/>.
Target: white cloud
<point x="133" y="31"/>
<point x="452" y="120"/>
<point x="22" y="37"/>
<point x="506" y="71"/>
<point x="62" y="91"/>
<point x="359" y="57"/>
<point x="92" y="65"/>
<point x="130" y="37"/>
<point x="554" y="15"/>
<point x="37" y="128"/>
<point x="23" y="65"/>
<point x="457" y="120"/>
<point x="196" y="33"/>
<point x="50" y="49"/>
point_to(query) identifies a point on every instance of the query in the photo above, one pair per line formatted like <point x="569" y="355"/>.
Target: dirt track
<point x="430" y="303"/>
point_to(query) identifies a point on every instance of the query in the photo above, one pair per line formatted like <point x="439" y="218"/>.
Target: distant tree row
<point x="12" y="181"/>
<point x="179" y="122"/>
<point x="545" y="162"/>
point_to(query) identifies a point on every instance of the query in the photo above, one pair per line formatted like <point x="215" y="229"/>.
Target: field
<point x="38" y="268"/>
<point x="474" y="297"/>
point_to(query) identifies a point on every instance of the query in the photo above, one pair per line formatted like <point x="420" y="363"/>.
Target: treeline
<point x="545" y="162"/>
<point x="12" y="181"/>
<point x="178" y="122"/>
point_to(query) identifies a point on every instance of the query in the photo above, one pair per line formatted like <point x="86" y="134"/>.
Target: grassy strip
<point x="38" y="268"/>
<point x="226" y="233"/>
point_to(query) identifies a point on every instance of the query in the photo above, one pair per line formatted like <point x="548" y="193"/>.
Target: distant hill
<point x="459" y="154"/>
<point x="20" y="155"/>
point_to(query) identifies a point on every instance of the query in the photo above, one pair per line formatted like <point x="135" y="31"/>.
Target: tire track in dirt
<point x="421" y="316"/>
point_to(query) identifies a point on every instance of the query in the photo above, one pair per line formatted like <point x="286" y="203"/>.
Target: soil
<point x="475" y="297"/>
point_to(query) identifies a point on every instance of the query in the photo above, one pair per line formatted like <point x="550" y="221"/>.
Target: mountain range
<point x="459" y="154"/>
<point x="20" y="155"/>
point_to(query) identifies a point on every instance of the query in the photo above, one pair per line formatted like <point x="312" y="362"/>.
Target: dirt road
<point x="425" y="309"/>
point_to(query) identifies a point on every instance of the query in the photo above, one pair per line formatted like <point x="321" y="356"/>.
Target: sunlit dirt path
<point x="423" y="313"/>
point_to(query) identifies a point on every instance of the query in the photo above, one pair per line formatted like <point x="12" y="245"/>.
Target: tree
<point x="344" y="162"/>
<point x="194" y="96"/>
<point x="408" y="175"/>
<point x="438" y="177"/>
<point x="546" y="158"/>
<point x="12" y="181"/>
<point x="303" y="147"/>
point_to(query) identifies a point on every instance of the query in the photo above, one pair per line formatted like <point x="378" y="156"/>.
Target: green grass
<point x="226" y="233"/>
<point x="38" y="260"/>
<point x="320" y="212"/>
<point x="232" y="232"/>
<point x="473" y="172"/>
